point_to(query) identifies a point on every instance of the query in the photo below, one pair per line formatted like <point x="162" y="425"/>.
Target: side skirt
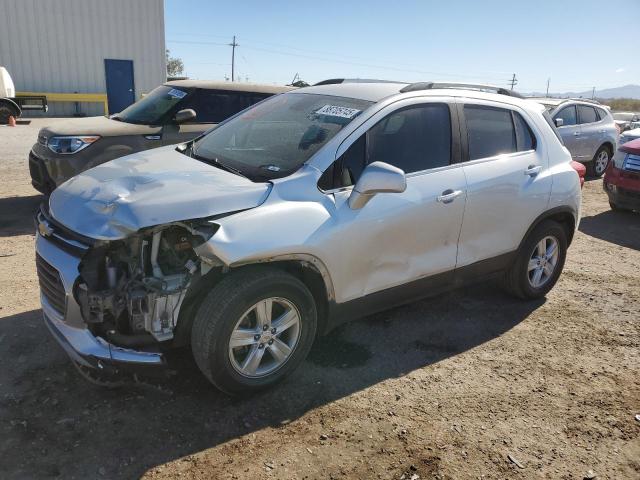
<point x="425" y="287"/>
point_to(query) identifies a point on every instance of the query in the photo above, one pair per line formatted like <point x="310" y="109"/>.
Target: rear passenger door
<point x="591" y="131"/>
<point x="570" y="131"/>
<point x="397" y="238"/>
<point x="508" y="183"/>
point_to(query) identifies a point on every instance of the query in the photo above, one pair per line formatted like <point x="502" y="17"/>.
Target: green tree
<point x="175" y="67"/>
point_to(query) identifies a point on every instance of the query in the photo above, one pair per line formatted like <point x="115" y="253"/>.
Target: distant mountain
<point x="628" y="91"/>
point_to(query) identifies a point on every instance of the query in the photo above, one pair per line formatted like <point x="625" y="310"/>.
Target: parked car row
<point x="311" y="208"/>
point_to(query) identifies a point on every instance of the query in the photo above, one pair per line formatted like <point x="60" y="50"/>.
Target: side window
<point x="490" y="131"/>
<point x="524" y="136"/>
<point x="413" y="139"/>
<point x="587" y="114"/>
<point x="568" y="115"/>
<point x="214" y="106"/>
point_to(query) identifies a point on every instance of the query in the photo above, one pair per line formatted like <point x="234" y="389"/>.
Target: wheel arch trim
<point x="551" y="214"/>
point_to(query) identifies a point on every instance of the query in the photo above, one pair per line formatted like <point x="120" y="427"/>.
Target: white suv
<point x="311" y="208"/>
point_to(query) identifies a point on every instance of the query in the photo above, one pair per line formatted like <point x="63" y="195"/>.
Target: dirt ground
<point x="472" y="384"/>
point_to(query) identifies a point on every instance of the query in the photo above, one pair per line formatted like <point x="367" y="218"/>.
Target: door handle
<point x="533" y="170"/>
<point x="448" y="196"/>
<point x="576" y="134"/>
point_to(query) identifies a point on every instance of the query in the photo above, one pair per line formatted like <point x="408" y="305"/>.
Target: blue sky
<point x="578" y="44"/>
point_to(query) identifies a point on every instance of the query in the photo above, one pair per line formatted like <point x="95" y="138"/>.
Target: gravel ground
<point x="472" y="384"/>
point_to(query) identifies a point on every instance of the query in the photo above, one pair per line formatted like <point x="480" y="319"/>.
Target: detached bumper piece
<point x="92" y="352"/>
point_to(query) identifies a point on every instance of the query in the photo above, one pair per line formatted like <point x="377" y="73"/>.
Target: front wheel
<point x="599" y="163"/>
<point x="539" y="262"/>
<point x="255" y="327"/>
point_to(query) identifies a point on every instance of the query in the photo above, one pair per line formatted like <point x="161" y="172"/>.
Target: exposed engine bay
<point x="131" y="290"/>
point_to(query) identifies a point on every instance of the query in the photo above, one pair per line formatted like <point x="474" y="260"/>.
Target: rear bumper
<point x="69" y="329"/>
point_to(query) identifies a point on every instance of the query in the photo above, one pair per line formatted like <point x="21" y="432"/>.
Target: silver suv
<point x="587" y="129"/>
<point x="309" y="209"/>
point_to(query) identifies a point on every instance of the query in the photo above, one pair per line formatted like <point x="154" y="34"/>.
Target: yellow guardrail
<point x="70" y="97"/>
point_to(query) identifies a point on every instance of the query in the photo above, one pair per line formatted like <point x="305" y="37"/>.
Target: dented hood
<point x="116" y="199"/>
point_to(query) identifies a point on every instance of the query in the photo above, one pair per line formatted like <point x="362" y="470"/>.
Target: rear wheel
<point x="254" y="328"/>
<point x="599" y="163"/>
<point x="539" y="262"/>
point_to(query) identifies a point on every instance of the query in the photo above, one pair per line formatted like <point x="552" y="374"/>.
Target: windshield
<point x="151" y="109"/>
<point x="626" y="117"/>
<point x="274" y="138"/>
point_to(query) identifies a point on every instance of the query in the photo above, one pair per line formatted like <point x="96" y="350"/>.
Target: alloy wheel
<point x="264" y="337"/>
<point x="602" y="160"/>
<point x="543" y="261"/>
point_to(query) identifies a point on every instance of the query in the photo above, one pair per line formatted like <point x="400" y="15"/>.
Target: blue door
<point x="120" y="88"/>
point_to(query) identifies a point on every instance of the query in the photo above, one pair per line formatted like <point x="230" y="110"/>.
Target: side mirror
<point x="377" y="177"/>
<point x="559" y="122"/>
<point x="185" y="115"/>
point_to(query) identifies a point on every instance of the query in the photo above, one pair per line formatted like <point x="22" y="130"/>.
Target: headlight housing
<point x="71" y="144"/>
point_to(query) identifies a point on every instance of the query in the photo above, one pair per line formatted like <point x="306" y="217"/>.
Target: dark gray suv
<point x="587" y="129"/>
<point x="172" y="113"/>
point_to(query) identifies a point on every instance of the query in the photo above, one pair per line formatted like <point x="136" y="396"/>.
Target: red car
<point x="622" y="177"/>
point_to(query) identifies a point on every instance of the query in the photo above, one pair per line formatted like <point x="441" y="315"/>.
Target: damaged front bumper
<point x="58" y="272"/>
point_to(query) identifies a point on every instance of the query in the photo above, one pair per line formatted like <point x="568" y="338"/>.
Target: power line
<point x="344" y="62"/>
<point x="305" y="50"/>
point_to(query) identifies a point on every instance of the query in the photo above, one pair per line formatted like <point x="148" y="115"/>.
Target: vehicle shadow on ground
<point x="16" y="215"/>
<point x="621" y="228"/>
<point x="53" y="417"/>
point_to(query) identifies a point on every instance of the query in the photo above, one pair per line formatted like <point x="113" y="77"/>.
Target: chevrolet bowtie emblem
<point x="44" y="229"/>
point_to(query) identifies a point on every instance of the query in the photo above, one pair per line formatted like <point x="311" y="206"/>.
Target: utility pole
<point x="548" y="82"/>
<point x="514" y="81"/>
<point x="233" y="46"/>
<point x="593" y="93"/>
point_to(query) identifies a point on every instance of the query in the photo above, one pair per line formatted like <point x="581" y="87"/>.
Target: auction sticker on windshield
<point x="337" y="111"/>
<point x="174" y="92"/>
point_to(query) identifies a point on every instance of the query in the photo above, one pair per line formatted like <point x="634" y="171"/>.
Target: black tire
<point x="6" y="111"/>
<point x="616" y="208"/>
<point x="221" y="310"/>
<point x="592" y="169"/>
<point x="516" y="278"/>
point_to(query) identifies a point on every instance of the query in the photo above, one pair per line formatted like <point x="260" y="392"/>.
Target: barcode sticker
<point x="337" y="111"/>
<point x="174" y="92"/>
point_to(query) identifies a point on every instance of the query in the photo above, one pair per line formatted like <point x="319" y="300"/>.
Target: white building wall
<point x="59" y="46"/>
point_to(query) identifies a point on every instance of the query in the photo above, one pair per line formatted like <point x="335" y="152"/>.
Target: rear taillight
<point x="581" y="170"/>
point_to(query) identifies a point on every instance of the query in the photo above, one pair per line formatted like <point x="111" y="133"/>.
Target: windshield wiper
<point x="190" y="151"/>
<point x="224" y="166"/>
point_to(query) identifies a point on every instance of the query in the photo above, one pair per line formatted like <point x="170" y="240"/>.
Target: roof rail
<point x="333" y="81"/>
<point x="588" y="100"/>
<point x="414" y="87"/>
